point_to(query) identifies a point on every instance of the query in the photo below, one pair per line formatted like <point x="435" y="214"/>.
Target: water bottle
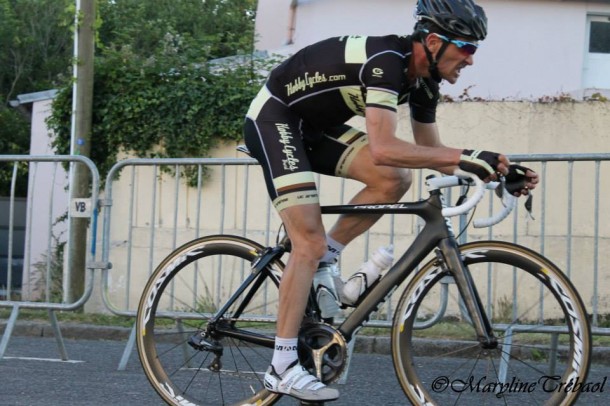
<point x="368" y="273"/>
<point x="325" y="283"/>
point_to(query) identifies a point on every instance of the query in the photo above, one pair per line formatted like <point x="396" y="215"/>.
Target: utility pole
<point x="82" y="106"/>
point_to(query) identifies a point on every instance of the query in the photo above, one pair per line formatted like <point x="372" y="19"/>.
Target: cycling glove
<point x="516" y="179"/>
<point x="481" y="163"/>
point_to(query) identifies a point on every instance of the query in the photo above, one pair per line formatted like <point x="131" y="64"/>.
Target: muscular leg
<point x="273" y="135"/>
<point x="384" y="184"/>
<point x="304" y="227"/>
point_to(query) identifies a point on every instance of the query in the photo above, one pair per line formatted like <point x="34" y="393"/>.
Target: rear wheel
<point x="542" y="328"/>
<point x="196" y="347"/>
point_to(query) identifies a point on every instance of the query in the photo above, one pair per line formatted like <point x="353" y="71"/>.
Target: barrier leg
<point x="58" y="337"/>
<point x="128" y="349"/>
<point x="506" y="349"/>
<point x="8" y="331"/>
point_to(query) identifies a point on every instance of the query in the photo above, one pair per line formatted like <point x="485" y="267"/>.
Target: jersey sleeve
<point x="382" y="77"/>
<point x="423" y="100"/>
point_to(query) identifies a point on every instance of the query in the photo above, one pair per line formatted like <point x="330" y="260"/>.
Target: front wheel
<point x="544" y="339"/>
<point x="204" y="336"/>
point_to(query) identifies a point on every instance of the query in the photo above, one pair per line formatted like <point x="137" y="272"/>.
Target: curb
<point x="380" y="345"/>
<point x="75" y="331"/>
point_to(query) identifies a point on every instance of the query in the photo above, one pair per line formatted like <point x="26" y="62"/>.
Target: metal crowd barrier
<point x="598" y="217"/>
<point x="159" y="212"/>
<point x="151" y="206"/>
<point x="47" y="205"/>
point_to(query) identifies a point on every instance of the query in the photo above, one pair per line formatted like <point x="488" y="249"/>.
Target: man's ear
<point x="433" y="42"/>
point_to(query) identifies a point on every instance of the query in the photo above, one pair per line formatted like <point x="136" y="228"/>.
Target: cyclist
<point x="296" y="126"/>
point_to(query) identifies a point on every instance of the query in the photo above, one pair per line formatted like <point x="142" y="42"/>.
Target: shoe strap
<point x="299" y="378"/>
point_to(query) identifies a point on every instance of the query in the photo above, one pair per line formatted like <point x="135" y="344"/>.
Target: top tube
<point x="424" y="208"/>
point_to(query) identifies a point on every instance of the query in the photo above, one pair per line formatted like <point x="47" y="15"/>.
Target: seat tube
<point x="468" y="291"/>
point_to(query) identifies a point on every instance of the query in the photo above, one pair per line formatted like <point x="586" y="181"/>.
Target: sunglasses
<point x="469" y="47"/>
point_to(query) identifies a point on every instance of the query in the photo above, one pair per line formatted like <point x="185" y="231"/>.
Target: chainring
<point x="322" y="350"/>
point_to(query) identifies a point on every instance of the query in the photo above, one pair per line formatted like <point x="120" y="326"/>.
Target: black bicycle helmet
<point x="461" y="18"/>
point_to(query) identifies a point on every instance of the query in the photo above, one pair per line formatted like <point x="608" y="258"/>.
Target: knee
<point x="309" y="246"/>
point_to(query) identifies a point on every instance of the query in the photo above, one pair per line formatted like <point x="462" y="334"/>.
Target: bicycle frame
<point x="437" y="233"/>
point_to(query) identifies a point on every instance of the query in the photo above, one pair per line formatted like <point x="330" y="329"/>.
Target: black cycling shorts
<point x="290" y="151"/>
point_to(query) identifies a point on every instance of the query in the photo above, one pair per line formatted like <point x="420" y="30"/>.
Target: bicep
<point x="380" y="124"/>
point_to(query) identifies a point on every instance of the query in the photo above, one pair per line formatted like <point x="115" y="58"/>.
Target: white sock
<point x="285" y="353"/>
<point x="333" y="251"/>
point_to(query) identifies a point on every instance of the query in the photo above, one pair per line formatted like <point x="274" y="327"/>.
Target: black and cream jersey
<point x="331" y="81"/>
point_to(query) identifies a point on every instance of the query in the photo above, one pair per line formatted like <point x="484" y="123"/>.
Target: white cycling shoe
<point x="299" y="383"/>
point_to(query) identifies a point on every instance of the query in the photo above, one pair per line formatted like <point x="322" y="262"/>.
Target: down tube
<point x="425" y="242"/>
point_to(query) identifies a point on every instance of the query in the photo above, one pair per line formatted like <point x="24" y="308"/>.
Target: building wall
<point x="12" y="232"/>
<point x="535" y="48"/>
<point x="47" y="201"/>
<point x="239" y="204"/>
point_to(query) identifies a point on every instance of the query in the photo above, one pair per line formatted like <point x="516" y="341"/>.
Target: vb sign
<point x="80" y="207"/>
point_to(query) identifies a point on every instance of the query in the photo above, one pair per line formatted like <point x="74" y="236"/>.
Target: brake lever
<point x="529" y="204"/>
<point x="500" y="190"/>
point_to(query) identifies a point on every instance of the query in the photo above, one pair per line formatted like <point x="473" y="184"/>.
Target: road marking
<point x="44" y="359"/>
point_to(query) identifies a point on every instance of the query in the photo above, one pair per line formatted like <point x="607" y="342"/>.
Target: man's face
<point x="452" y="62"/>
<point x="453" y="59"/>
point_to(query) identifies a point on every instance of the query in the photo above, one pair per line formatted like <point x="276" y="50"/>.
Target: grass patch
<point x="462" y="331"/>
<point x="71" y="317"/>
<point x="442" y="330"/>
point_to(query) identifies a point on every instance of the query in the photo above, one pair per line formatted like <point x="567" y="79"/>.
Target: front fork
<point x="450" y="258"/>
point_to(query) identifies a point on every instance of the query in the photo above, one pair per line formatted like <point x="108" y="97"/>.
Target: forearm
<point x="427" y="134"/>
<point x="407" y="155"/>
<point x="387" y="149"/>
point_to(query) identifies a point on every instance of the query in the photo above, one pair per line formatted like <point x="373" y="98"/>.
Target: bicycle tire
<point x="544" y="336"/>
<point x="190" y="286"/>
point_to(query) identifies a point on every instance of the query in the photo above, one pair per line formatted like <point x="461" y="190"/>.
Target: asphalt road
<point x="29" y="376"/>
<point x="91" y="377"/>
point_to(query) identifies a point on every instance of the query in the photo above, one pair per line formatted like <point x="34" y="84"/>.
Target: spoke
<point x="532" y="330"/>
<point x="497" y="374"/>
<point x="474" y="364"/>
<point x="530" y="346"/>
<point x="171" y="349"/>
<point x="186" y="306"/>
<point x="263" y="305"/>
<point x="175" y="333"/>
<point x="250" y="309"/>
<point x="244" y="331"/>
<point x="244" y="375"/>
<point x="186" y="363"/>
<point x="210" y="377"/>
<point x="523" y="362"/>
<point x="252" y="368"/>
<point x="458" y="351"/>
<point x="196" y="372"/>
<point x="222" y="392"/>
<point x="516" y="320"/>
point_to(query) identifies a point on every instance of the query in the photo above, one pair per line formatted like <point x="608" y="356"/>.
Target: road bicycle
<point x="507" y="326"/>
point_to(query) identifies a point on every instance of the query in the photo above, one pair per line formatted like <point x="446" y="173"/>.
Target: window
<point x="599" y="37"/>
<point x="597" y="57"/>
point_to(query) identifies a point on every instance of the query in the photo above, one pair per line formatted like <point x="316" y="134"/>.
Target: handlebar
<point x="509" y="202"/>
<point x="464" y="178"/>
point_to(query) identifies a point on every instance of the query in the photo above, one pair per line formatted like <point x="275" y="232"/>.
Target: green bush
<point x="158" y="111"/>
<point x="171" y="79"/>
